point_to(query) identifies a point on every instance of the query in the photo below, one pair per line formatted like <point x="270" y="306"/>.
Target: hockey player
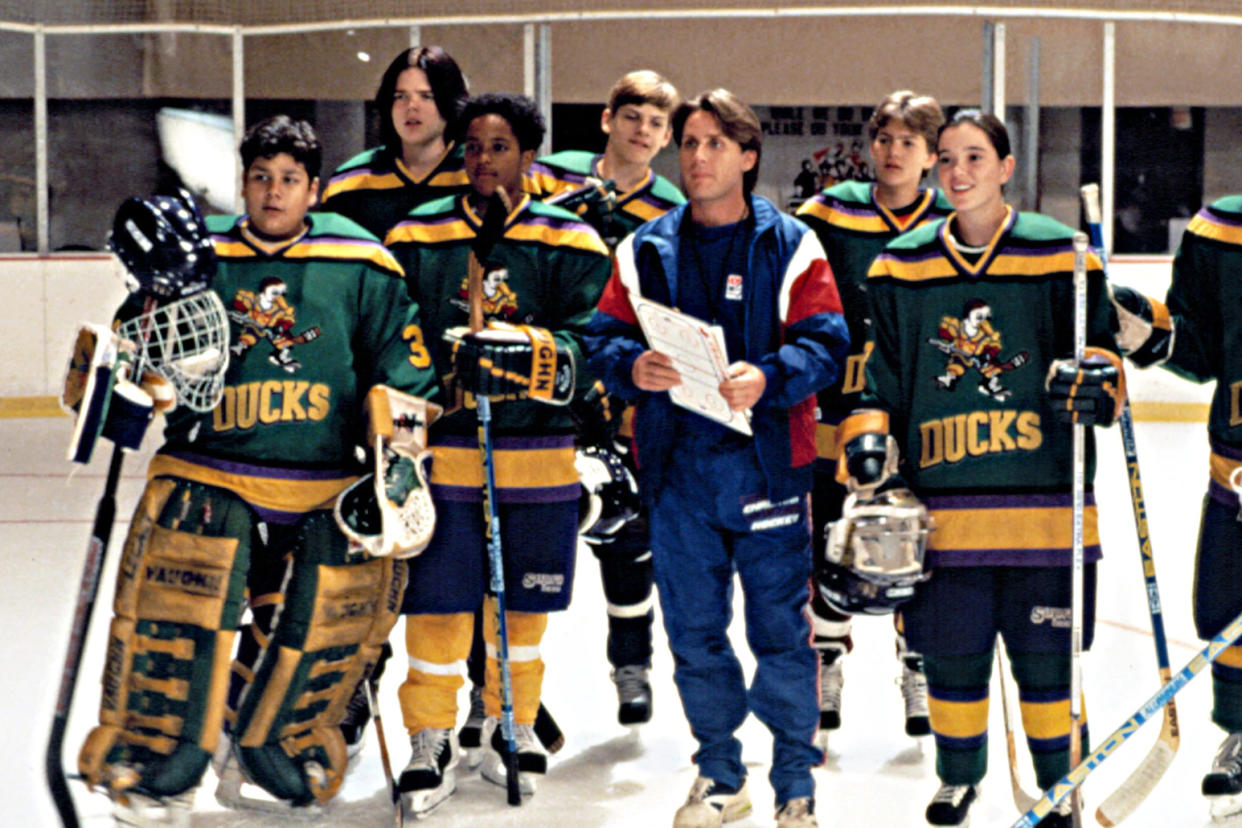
<point x="238" y="516"/>
<point x="547" y="268"/>
<point x="1192" y="336"/>
<point x="854" y="220"/>
<point x="417" y="161"/>
<point x="995" y="474"/>
<point x="720" y="501"/>
<point x="638" y="123"/>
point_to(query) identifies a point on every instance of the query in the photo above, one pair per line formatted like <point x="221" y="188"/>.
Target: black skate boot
<point x="951" y="805"/>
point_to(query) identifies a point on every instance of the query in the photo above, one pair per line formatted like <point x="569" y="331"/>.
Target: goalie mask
<point x="874" y="553"/>
<point x="164" y="244"/>
<point x="609" y="497"/>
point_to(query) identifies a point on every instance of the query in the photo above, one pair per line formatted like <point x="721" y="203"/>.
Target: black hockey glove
<point x="1145" y="332"/>
<point x="597" y="415"/>
<point x="1090" y="392"/>
<point x="515" y="362"/>
<point x="865" y="458"/>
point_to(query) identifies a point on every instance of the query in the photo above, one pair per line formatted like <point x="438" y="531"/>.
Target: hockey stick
<point x="397" y="805"/>
<point x="594" y="191"/>
<point x="88" y="590"/>
<point x="493" y="227"/>
<point x="1122" y="802"/>
<point x="1016" y="361"/>
<point x="1076" y="567"/>
<point x="1072" y="780"/>
<point x="1021" y="798"/>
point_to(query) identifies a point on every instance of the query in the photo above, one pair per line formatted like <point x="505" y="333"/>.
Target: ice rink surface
<point x="608" y="775"/>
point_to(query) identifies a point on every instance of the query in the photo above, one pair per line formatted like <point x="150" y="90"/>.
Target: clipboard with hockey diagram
<point x="699" y="355"/>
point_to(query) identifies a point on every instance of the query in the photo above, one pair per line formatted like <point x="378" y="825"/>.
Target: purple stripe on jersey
<point x="275" y="515"/>
<point x="339" y="240"/>
<point x="1024" y="500"/>
<point x="507" y="494"/>
<point x="1217" y="217"/>
<point x="554" y="222"/>
<point x="1224" y="495"/>
<point x="923" y="255"/>
<point x="1009" y="557"/>
<point x="1031" y="252"/>
<point x="356" y="172"/>
<point x="251" y="470"/>
<point x="1224" y="450"/>
<point x="506" y="443"/>
<point x="851" y="210"/>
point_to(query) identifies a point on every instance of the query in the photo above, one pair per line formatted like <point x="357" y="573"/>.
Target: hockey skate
<point x="284" y="359"/>
<point x="797" y="813"/>
<point x="831" y="680"/>
<point x="633" y="694"/>
<point x="234" y="790"/>
<point x="951" y="805"/>
<point x="470" y="737"/>
<point x="1223" y="784"/>
<point x="1062" y="816"/>
<point x="992" y="387"/>
<point x="946" y="381"/>
<point x="710" y="804"/>
<point x="430" y="778"/>
<point x="531" y="759"/>
<point x="134" y="810"/>
<point x="914" y="692"/>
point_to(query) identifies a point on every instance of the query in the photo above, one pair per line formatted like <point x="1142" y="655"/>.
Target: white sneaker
<point x="470" y="737"/>
<point x="134" y="810"/>
<point x="914" y="693"/>
<point x="429" y="779"/>
<point x="797" y="813"/>
<point x="710" y="805"/>
<point x="531" y="759"/>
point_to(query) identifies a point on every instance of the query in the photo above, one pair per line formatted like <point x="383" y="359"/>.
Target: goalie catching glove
<point x="513" y="361"/>
<point x="1089" y="393"/>
<point x="1145" y="332"/>
<point x="389" y="512"/>
<point x="874" y="552"/>
<point x="609" y="498"/>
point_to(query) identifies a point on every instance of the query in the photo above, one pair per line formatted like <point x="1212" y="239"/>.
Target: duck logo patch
<point x="499" y="300"/>
<point x="970" y="342"/>
<point x="265" y="314"/>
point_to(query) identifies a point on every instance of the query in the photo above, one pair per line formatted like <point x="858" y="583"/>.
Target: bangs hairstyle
<point x="448" y="88"/>
<point x="737" y="121"/>
<point x="520" y="111"/>
<point x="643" y="86"/>
<point x="278" y="134"/>
<point x="920" y="114"/>
<point x="992" y="127"/>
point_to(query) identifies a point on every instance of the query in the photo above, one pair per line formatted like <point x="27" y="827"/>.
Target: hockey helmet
<point x="874" y="553"/>
<point x="609" y="497"/>
<point x="164" y="244"/>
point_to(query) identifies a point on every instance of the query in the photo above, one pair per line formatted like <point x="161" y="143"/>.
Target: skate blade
<point x="235" y="793"/>
<point x="418" y="805"/>
<point x="473" y="757"/>
<point x="493" y="770"/>
<point x="1223" y="807"/>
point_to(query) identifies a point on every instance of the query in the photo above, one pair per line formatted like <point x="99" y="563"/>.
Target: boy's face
<point x="901" y="155"/>
<point x="278" y="192"/>
<point x="415" y="115"/>
<point x="493" y="159"/>
<point x="637" y="132"/>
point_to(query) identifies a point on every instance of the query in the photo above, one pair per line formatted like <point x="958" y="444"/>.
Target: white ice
<point x="608" y="775"/>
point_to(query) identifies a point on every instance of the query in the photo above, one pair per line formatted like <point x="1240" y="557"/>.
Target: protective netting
<point x="286" y="12"/>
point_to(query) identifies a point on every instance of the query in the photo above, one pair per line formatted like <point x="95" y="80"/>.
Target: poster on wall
<point x="809" y="148"/>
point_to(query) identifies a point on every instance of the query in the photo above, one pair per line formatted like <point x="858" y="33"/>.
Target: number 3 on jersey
<point x="413" y="336"/>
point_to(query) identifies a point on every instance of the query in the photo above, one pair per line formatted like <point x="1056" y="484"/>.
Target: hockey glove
<point x="597" y="415"/>
<point x="1146" y="328"/>
<point x="1091" y="392"/>
<point x="869" y="455"/>
<point x="609" y="497"/>
<point x="512" y="361"/>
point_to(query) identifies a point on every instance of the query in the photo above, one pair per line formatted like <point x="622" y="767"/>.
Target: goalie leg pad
<point x="336" y="614"/>
<point x="178" y="599"/>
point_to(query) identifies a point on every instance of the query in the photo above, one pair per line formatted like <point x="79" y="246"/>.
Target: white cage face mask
<point x="186" y="342"/>
<point x="884" y="540"/>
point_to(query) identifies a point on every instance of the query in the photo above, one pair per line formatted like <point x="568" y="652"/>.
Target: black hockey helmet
<point x="164" y="244"/>
<point x="609" y="497"/>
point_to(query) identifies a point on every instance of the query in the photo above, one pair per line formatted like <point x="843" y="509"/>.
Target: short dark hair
<point x="520" y="111"/>
<point x="992" y="127"/>
<point x="448" y="88"/>
<point x="278" y="134"/>
<point x="737" y="121"/>
<point x="920" y="114"/>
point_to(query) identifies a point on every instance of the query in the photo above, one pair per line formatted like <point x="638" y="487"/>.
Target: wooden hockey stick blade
<point x="394" y="794"/>
<point x="1023" y="800"/>
<point x="1131" y="793"/>
<point x="548" y="731"/>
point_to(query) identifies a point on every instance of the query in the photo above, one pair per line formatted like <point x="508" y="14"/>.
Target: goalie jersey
<point x="568" y="170"/>
<point x="376" y="189"/>
<point x="1204" y="299"/>
<point x="314" y="323"/>
<point x="854" y="228"/>
<point x="962" y="341"/>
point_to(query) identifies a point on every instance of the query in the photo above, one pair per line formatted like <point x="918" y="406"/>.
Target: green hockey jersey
<point x="314" y="323"/>
<point x="962" y="343"/>
<point x="376" y="189"/>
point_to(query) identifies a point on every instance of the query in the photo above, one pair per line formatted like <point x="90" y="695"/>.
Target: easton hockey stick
<point x="88" y="590"/>
<point x="1122" y="802"/>
<point x="1072" y="780"/>
<point x="493" y="227"/>
<point x="1076" y="567"/>
<point x="1021" y="798"/>
<point x="398" y="806"/>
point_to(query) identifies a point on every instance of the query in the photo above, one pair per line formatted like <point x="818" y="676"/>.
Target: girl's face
<point x="970" y="170"/>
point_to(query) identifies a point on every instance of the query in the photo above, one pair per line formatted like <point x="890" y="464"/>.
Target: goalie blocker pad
<point x="513" y="361"/>
<point x="99" y="395"/>
<point x="389" y="512"/>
